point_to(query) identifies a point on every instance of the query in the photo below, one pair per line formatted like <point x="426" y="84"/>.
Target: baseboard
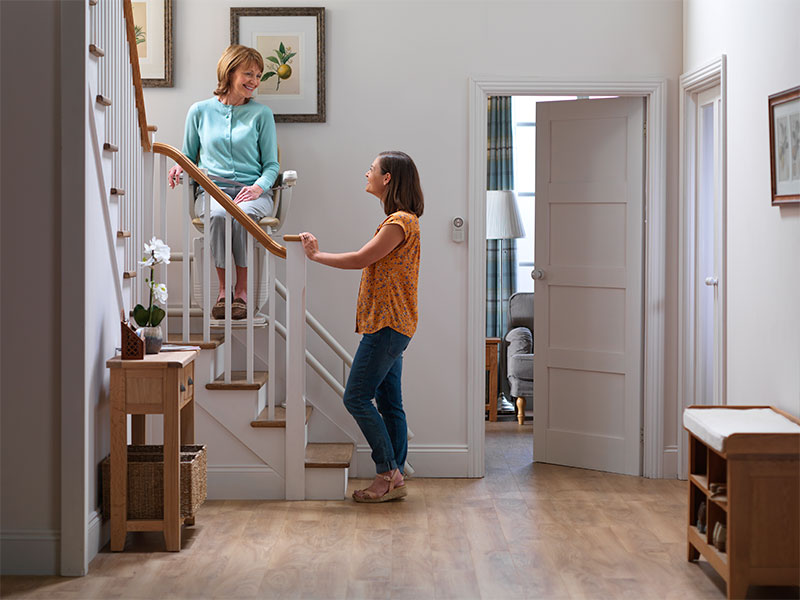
<point x="244" y="482"/>
<point x="29" y="551"/>
<point x="670" y="462"/>
<point x="428" y="460"/>
<point x="99" y="533"/>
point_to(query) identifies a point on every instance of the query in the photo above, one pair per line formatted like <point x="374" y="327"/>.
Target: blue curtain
<point x="500" y="176"/>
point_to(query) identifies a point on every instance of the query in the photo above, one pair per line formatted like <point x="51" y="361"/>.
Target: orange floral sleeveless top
<point x="387" y="296"/>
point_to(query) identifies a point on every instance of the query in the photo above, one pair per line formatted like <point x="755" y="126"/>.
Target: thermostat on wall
<point x="458" y="229"/>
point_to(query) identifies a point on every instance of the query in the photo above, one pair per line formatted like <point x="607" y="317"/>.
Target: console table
<point x="492" y="345"/>
<point x="159" y="384"/>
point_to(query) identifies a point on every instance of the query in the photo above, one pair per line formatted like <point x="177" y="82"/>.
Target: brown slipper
<point x="238" y="309"/>
<point x="218" y="310"/>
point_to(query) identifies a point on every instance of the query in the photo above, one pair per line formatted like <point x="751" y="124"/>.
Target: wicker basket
<point x="146" y="481"/>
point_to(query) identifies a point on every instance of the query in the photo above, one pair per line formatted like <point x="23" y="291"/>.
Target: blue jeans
<point x="376" y="372"/>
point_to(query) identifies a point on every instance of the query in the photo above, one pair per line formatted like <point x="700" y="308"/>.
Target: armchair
<point x="520" y="349"/>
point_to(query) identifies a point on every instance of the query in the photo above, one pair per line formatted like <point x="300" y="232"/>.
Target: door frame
<point x="655" y="91"/>
<point x="709" y="75"/>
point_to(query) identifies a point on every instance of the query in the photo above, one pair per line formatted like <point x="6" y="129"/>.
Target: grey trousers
<point x="255" y="209"/>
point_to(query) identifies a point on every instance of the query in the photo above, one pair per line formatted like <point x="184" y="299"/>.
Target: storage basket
<point x="146" y="481"/>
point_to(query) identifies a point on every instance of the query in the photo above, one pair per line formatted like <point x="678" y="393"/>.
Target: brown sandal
<point x="393" y="493"/>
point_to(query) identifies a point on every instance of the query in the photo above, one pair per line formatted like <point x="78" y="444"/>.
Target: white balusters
<point x="271" y="338"/>
<point x="295" y="371"/>
<point x="186" y="290"/>
<point x="206" y="265"/>
<point x="250" y="299"/>
<point x="228" y="278"/>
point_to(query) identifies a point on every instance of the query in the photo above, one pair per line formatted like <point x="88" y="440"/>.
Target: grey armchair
<point x="519" y="352"/>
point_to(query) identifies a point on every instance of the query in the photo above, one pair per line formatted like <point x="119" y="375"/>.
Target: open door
<point x="589" y="280"/>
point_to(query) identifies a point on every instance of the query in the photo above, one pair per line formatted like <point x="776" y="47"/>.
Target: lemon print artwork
<point x="279" y="64"/>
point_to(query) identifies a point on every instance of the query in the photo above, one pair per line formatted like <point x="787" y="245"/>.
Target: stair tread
<point x="239" y="381"/>
<point x="328" y="456"/>
<point x="196" y="339"/>
<point x="280" y="417"/>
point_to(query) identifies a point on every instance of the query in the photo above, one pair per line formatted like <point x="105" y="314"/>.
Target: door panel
<point x="588" y="310"/>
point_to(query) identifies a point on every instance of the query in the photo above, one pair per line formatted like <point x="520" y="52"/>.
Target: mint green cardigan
<point x="235" y="142"/>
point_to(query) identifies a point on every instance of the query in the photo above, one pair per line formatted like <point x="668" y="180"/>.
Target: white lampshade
<point x="502" y="216"/>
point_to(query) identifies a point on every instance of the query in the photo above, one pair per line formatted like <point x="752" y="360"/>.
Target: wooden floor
<point x="524" y="531"/>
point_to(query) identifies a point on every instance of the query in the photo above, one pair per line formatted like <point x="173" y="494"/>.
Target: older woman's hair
<point x="403" y="192"/>
<point x="233" y="57"/>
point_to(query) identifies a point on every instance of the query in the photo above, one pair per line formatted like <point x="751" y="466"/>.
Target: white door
<point x="708" y="255"/>
<point x="588" y="308"/>
<point x="702" y="338"/>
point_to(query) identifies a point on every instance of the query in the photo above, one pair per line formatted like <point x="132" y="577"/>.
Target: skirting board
<point x="244" y="482"/>
<point x="670" y="462"/>
<point x="99" y="534"/>
<point x="427" y="460"/>
<point x="30" y="551"/>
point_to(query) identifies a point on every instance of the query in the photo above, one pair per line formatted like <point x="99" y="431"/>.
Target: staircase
<point x="258" y="444"/>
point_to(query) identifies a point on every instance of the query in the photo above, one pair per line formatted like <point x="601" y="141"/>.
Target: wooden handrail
<point x="133" y="55"/>
<point x="224" y="200"/>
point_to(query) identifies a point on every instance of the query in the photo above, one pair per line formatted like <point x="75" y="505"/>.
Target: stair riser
<point x="326" y="484"/>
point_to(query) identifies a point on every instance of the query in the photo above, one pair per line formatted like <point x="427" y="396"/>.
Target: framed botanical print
<point x="292" y="42"/>
<point x="784" y="146"/>
<point x="153" y="28"/>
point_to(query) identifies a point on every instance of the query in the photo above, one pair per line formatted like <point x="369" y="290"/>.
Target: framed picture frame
<point x="784" y="146"/>
<point x="152" y="21"/>
<point x="292" y="42"/>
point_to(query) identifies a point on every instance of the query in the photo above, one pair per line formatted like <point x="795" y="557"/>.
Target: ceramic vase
<point x="153" y="339"/>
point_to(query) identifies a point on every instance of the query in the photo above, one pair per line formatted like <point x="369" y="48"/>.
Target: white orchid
<point x="156" y="252"/>
<point x="159" y="292"/>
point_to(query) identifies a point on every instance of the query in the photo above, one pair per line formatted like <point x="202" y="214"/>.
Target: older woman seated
<point x="233" y="137"/>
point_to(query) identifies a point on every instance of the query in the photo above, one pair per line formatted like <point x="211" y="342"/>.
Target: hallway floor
<point x="524" y="531"/>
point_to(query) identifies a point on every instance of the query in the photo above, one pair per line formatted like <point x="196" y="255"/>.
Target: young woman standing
<point x="386" y="316"/>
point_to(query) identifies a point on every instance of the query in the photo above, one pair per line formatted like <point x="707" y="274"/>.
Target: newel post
<point x="295" y="369"/>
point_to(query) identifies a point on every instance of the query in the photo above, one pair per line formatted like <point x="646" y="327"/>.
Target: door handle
<point x="711" y="281"/>
<point x="537" y="274"/>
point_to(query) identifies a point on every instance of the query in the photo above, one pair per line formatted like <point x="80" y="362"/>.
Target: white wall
<point x="397" y="78"/>
<point x="30" y="383"/>
<point x="761" y="42"/>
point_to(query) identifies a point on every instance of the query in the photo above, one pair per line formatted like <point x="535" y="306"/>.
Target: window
<point x="523" y="115"/>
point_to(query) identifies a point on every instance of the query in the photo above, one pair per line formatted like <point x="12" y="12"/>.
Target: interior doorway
<point x="654" y="92"/>
<point x="515" y="223"/>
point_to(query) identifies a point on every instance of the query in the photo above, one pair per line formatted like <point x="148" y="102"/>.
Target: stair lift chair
<point x="271" y="224"/>
<point x="520" y="349"/>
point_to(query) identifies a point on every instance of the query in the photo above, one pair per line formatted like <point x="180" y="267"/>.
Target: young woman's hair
<point x="403" y="192"/>
<point x="233" y="57"/>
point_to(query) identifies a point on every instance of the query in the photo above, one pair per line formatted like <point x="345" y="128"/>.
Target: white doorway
<point x="703" y="244"/>
<point x="654" y="91"/>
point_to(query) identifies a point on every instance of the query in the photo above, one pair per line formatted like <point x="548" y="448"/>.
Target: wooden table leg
<point x="119" y="463"/>
<point x="187" y="423"/>
<point x="172" y="425"/>
<point x="138" y="429"/>
<point x="491" y="366"/>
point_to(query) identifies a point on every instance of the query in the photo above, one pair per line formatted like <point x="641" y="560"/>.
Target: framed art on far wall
<point x="153" y="29"/>
<point x="292" y="42"/>
<point x="784" y="146"/>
